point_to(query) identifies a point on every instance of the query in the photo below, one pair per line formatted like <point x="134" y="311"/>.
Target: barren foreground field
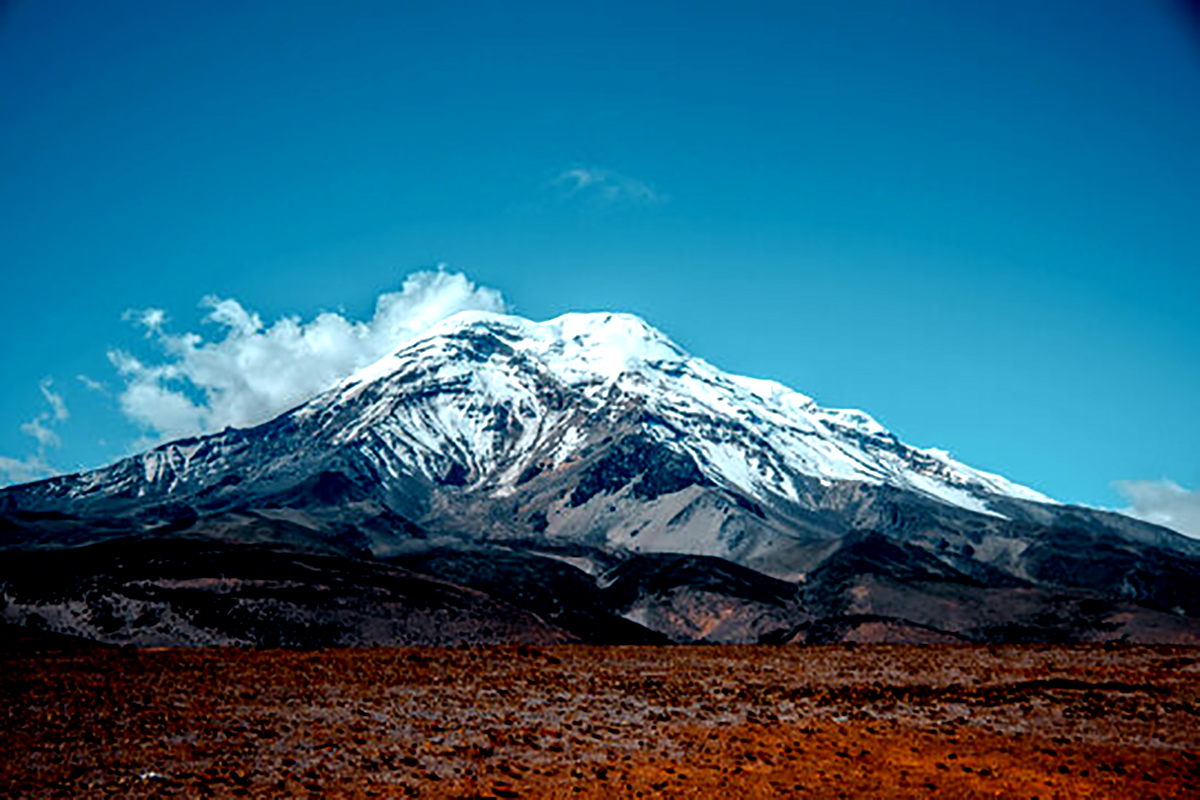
<point x="604" y="722"/>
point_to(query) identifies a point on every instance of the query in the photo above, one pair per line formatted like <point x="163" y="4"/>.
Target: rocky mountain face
<point x="582" y="479"/>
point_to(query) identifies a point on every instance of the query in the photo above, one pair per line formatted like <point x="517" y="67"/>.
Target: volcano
<point x="580" y="479"/>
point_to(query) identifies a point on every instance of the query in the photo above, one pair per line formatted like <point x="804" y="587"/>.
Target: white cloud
<point x="41" y="431"/>
<point x="58" y="407"/>
<point x="152" y="319"/>
<point x="604" y="185"/>
<point x="255" y="371"/>
<point x="91" y="384"/>
<point x="1164" y="503"/>
<point x="41" y="428"/>
<point x="23" y="470"/>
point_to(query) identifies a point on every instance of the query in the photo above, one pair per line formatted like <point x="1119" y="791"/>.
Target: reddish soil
<point x="954" y="721"/>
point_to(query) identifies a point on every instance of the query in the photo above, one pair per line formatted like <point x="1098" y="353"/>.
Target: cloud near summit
<point x="255" y="371"/>
<point x="1164" y="503"/>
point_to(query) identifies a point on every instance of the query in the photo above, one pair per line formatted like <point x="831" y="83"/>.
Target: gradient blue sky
<point x="978" y="221"/>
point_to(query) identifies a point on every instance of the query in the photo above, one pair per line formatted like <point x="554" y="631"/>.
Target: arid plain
<point x="575" y="721"/>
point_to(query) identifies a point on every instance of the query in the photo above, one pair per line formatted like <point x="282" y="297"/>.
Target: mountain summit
<point x="633" y="490"/>
<point x="489" y="378"/>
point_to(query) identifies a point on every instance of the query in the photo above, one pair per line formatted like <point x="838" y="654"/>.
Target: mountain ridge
<point x="594" y="441"/>
<point x="637" y="360"/>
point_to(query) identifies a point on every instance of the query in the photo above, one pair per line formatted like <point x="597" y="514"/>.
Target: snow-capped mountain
<point x="488" y="411"/>
<point x="492" y="389"/>
<point x="483" y="398"/>
<point x="496" y="452"/>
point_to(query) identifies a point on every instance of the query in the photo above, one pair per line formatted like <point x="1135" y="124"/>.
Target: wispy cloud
<point x="1164" y="503"/>
<point x="151" y="319"/>
<point x="256" y="371"/>
<point x="91" y="384"/>
<point x="603" y="185"/>
<point x="23" y="470"/>
<point x="42" y="429"/>
<point x="58" y="407"/>
<point x="43" y="433"/>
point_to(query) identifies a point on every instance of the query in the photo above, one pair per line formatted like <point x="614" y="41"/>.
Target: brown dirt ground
<point x="850" y="721"/>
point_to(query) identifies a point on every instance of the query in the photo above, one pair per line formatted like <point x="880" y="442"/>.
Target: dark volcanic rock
<point x="557" y="592"/>
<point x="192" y="592"/>
<point x="1100" y="561"/>
<point x="652" y="468"/>
<point x="656" y="574"/>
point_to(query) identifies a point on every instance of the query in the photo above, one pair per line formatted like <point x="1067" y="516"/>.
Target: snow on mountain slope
<point x="485" y="402"/>
<point x="494" y="394"/>
<point x="500" y="454"/>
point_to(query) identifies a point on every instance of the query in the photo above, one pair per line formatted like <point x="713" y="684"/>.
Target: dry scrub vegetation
<point x="573" y="721"/>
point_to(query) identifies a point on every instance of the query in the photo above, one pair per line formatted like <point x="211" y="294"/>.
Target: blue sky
<point x="979" y="222"/>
